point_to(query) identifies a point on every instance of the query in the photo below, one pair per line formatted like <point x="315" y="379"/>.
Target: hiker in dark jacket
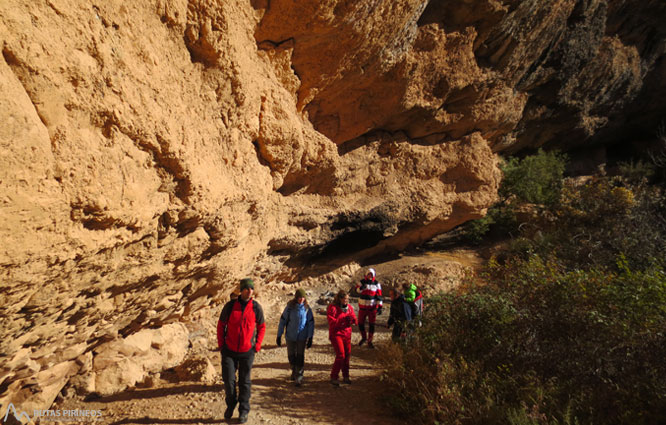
<point x="240" y="331"/>
<point x="415" y="299"/>
<point x="400" y="314"/>
<point x="298" y="321"/>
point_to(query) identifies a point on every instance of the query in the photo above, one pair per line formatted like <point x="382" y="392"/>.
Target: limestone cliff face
<point x="153" y="153"/>
<point x="560" y="73"/>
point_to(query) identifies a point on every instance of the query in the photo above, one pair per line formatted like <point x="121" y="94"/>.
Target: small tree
<point x="535" y="179"/>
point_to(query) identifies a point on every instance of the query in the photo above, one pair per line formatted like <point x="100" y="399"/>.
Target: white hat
<point x="372" y="271"/>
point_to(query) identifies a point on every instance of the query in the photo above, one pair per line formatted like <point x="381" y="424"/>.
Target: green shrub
<point x="535" y="179"/>
<point x="476" y="230"/>
<point x="541" y="344"/>
<point x="568" y="326"/>
<point x="638" y="171"/>
<point x="596" y="222"/>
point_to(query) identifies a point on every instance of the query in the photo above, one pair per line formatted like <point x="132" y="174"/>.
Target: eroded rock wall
<point x="555" y="73"/>
<point x="151" y="154"/>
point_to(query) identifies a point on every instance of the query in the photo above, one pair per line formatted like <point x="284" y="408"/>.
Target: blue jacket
<point x="298" y="321"/>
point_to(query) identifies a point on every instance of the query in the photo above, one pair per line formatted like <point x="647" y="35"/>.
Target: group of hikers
<point x="241" y="329"/>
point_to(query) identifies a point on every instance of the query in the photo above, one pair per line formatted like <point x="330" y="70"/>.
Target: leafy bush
<point x="568" y="326"/>
<point x="597" y="221"/>
<point x="535" y="180"/>
<point x="539" y="344"/>
<point x="638" y="171"/>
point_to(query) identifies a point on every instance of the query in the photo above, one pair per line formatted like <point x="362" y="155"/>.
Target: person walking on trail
<point x="369" y="305"/>
<point x="341" y="317"/>
<point x="240" y="332"/>
<point x="415" y="299"/>
<point x="298" y="320"/>
<point x="399" y="315"/>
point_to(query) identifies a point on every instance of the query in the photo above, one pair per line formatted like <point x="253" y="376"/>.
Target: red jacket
<point x="236" y="326"/>
<point x="339" y="321"/>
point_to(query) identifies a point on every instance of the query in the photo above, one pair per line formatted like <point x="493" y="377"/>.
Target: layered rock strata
<point x="153" y="153"/>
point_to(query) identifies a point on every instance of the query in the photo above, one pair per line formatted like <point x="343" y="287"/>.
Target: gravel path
<point x="275" y="399"/>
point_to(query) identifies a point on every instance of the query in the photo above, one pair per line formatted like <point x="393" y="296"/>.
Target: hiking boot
<point x="370" y="344"/>
<point x="229" y="412"/>
<point x="293" y="374"/>
<point x="242" y="418"/>
<point x="346" y="381"/>
<point x="299" y="380"/>
<point x="361" y="342"/>
<point x="335" y="382"/>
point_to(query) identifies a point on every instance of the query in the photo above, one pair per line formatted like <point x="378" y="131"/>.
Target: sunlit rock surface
<point x="153" y="153"/>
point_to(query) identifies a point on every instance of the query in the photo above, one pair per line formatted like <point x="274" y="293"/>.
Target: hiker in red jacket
<point x="341" y="317"/>
<point x="369" y="305"/>
<point x="240" y="332"/>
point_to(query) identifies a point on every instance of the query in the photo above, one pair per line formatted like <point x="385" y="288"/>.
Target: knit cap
<point x="300" y="293"/>
<point x="246" y="283"/>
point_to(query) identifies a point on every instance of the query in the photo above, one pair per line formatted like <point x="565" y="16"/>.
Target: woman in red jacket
<point x="341" y="317"/>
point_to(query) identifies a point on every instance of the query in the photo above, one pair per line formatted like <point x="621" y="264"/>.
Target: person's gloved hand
<point x="278" y="341"/>
<point x="379" y="311"/>
<point x="309" y="344"/>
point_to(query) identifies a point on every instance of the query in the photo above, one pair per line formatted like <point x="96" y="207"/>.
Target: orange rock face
<point x="153" y="153"/>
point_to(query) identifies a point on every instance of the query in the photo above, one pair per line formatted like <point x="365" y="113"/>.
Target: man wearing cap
<point x="369" y="305"/>
<point x="240" y="331"/>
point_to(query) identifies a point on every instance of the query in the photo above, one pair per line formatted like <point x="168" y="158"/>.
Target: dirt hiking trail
<point x="275" y="399"/>
<point x="167" y="398"/>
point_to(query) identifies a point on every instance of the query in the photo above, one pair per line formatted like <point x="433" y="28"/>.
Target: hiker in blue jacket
<point x="298" y="320"/>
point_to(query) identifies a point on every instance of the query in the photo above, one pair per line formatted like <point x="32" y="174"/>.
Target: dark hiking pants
<point x="243" y="362"/>
<point x="296" y="355"/>
<point x="397" y="332"/>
